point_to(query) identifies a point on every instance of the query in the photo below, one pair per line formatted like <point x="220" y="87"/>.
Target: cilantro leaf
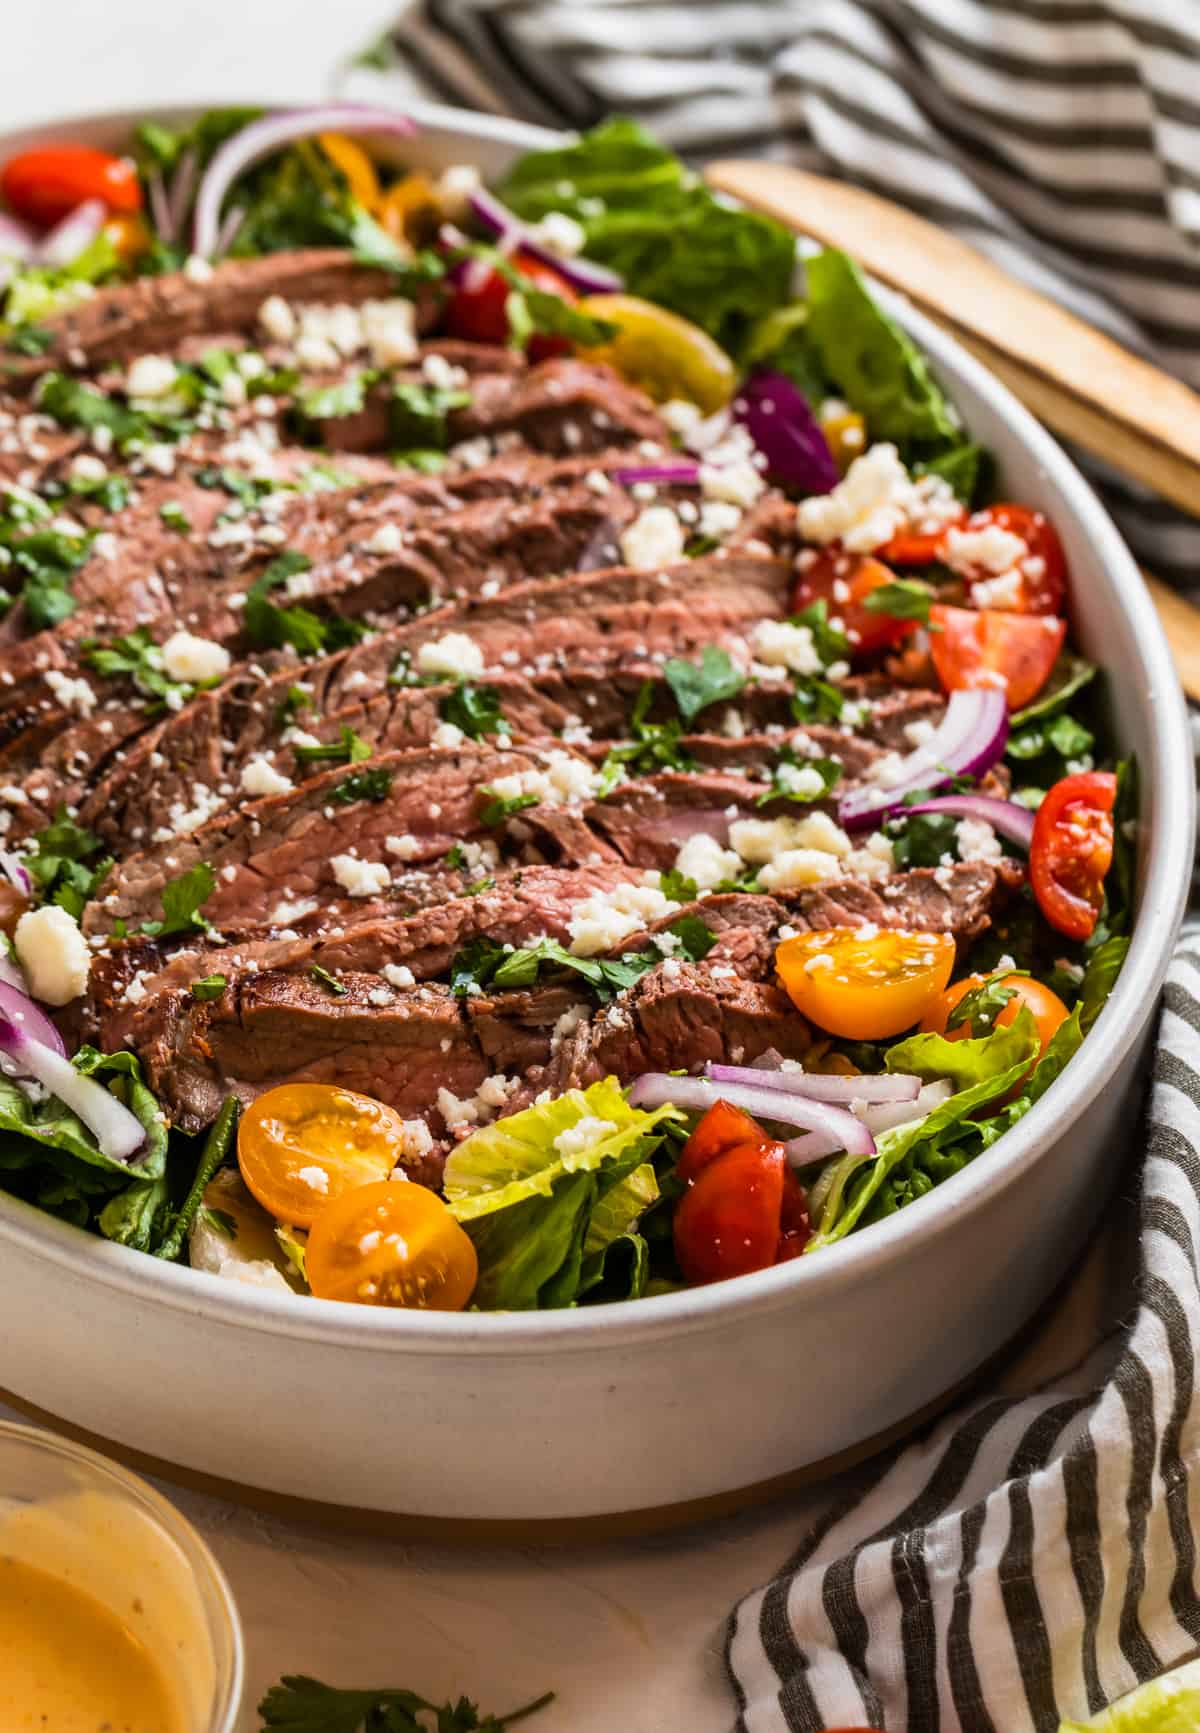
<point x="335" y="402"/>
<point x="697" y="685"/>
<point x="28" y="339"/>
<point x="138" y="658"/>
<point x="983" y="1004"/>
<point x="474" y="709"/>
<point x="300" y="1704"/>
<point x="902" y="599"/>
<point x="829" y="641"/>
<point x="653" y="746"/>
<point x="374" y="785"/>
<point x="269" y="627"/>
<point x="56" y="860"/>
<point x="181" y="900"/>
<point x="211" y="987"/>
<point x="502" y="806"/>
<point x="349" y="748"/>
<point x="801" y="779"/>
<point x="330" y="982"/>
<point x="814" y="700"/>
<point x="418" y="414"/>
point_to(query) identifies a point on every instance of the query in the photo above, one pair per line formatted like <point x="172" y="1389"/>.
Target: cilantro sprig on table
<point x="299" y="1704"/>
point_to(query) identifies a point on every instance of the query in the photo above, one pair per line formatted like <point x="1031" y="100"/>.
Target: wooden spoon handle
<point x="1075" y="379"/>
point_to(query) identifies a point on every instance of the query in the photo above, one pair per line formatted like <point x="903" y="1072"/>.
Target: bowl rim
<point x="1167" y="874"/>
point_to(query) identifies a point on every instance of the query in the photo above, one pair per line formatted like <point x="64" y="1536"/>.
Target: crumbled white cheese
<point x="606" y="918"/>
<point x="654" y="538"/>
<point x="920" y="732"/>
<point x="597" y="482"/>
<point x="779" y="644"/>
<point x="53" y="953"/>
<point x="289" y="909"/>
<point x="976" y="840"/>
<point x="398" y="975"/>
<point x="798" y="866"/>
<point x="561" y="234"/>
<point x="417" y="1139"/>
<point x="260" y="777"/>
<point x="1003" y="592"/>
<point x="991" y="549"/>
<point x="582" y="1136"/>
<point x="448" y="734"/>
<point x="566" y="1026"/>
<point x="455" y="655"/>
<point x="389" y="331"/>
<point x="360" y="878"/>
<point x="72" y="694"/>
<point x="874" y="501"/>
<point x="403" y="847"/>
<point x="703" y="859"/>
<point x="564" y="781"/>
<point x="491" y="1095"/>
<point x="185" y="656"/>
<point x="452" y="191"/>
<point x="387" y="539"/>
<point x="277" y="319"/>
<point x="197" y="269"/>
<point x="718" y="519"/>
<point x="151" y="376"/>
<point x="681" y="416"/>
<point x="89" y="468"/>
<point x="759" y="840"/>
<point x="443" y="375"/>
<point x="800" y="779"/>
<point x="315" y="1178"/>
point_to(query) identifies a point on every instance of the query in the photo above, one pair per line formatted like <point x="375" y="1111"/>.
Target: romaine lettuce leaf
<point x="875" y="366"/>
<point x="543" y="1219"/>
<point x="968" y="1062"/>
<point x="648" y="217"/>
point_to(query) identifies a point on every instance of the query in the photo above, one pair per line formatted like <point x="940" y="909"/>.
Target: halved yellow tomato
<point x="667" y="356"/>
<point x="1045" y="1006"/>
<point x="864" y="983"/>
<point x="391" y="1244"/>
<point x="408" y="210"/>
<point x="349" y="156"/>
<point x="304" y="1144"/>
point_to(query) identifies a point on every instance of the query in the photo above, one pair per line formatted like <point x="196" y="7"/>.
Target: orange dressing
<point x="69" y="1664"/>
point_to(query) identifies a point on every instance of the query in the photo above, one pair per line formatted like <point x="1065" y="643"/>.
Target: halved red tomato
<point x="1043" y="569"/>
<point x="910" y="548"/>
<point x="1072" y="850"/>
<point x="982" y="647"/>
<point x="727" y="1222"/>
<point x="845" y="581"/>
<point x="44" y="185"/>
<point x="478" y="307"/>
<point x="722" y="1128"/>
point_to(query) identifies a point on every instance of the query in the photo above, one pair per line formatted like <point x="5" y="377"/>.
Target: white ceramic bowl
<point x="631" y="1408"/>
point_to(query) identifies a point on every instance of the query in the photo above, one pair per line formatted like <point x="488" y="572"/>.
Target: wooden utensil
<point x="1076" y="380"/>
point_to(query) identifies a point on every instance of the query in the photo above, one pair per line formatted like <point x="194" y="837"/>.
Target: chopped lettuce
<point x="648" y="217"/>
<point x="1170" y="1704"/>
<point x="875" y="366"/>
<point x="544" y="1214"/>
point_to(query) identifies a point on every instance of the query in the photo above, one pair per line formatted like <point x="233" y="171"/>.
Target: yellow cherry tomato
<point x="350" y="157"/>
<point x="667" y="356"/>
<point x="1047" y="1009"/>
<point x="392" y="1244"/>
<point x="304" y="1144"/>
<point x="846" y="437"/>
<point x="408" y="210"/>
<point x="864" y="983"/>
<point x="129" y="236"/>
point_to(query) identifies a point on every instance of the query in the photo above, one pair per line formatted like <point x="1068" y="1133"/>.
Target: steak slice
<point x="155" y="314"/>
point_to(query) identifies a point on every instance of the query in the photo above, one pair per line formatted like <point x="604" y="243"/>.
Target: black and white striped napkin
<point x="1030" y="1559"/>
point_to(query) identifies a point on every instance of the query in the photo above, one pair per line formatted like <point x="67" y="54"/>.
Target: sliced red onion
<point x="12" y="975"/>
<point x="182" y="187"/>
<point x="511" y="233"/>
<point x="17" y="1008"/>
<point x="682" y="473"/>
<point x="227" y="234"/>
<point x="119" y="1132"/>
<point x="968" y="740"/>
<point x="780" y="421"/>
<point x="160" y="207"/>
<point x="1006" y="817"/>
<point x="698" y="1094"/>
<point x="889" y="1086"/>
<point x="17" y="239"/>
<point x="66" y="240"/>
<point x="15" y="871"/>
<point x="887" y="1116"/>
<point x="263" y="138"/>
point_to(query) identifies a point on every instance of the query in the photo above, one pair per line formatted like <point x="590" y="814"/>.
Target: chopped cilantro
<point x="181" y="901"/>
<point x="677" y="886"/>
<point x="138" y="658"/>
<point x="484" y="963"/>
<point x="829" y="641"/>
<point x="299" y="1704"/>
<point x="814" y="700"/>
<point x="211" y="987"/>
<point x="789" y="782"/>
<point x="696" y="685"/>
<point x="28" y="339"/>
<point x="269" y="627"/>
<point x="654" y="746"/>
<point x="418" y="414"/>
<point x="55" y="860"/>
<point x="349" y="748"/>
<point x="983" y="1004"/>
<point x="330" y="982"/>
<point x="287" y="710"/>
<point x="174" y="516"/>
<point x="335" y="402"/>
<point x="362" y="785"/>
<point x="502" y="806"/>
<point x="902" y="599"/>
<point x="474" y="709"/>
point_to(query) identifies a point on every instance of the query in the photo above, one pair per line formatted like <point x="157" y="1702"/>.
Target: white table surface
<point x="629" y="1635"/>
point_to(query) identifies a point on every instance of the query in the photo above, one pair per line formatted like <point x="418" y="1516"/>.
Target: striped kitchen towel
<point x="1060" y="136"/>
<point x="1030" y="1559"/>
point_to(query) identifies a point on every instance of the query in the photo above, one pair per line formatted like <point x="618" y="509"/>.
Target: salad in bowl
<point x="541" y="766"/>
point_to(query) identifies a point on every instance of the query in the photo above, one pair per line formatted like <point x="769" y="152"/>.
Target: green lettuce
<point x="542" y="1220"/>
<point x="1167" y="1705"/>
<point x="648" y="217"/>
<point x="912" y="1158"/>
<point x="875" y="366"/>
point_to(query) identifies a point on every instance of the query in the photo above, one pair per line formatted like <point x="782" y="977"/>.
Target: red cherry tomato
<point x="478" y="308"/>
<point x="727" y="1223"/>
<point x="1072" y="850"/>
<point x="795" y="1230"/>
<point x="1043" y="569"/>
<point x="722" y="1128"/>
<point x="44" y="185"/>
<point x="844" y="581"/>
<point x="911" y="549"/>
<point x="982" y="647"/>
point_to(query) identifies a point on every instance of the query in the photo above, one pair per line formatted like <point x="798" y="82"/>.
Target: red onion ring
<point x="582" y="274"/>
<point x="682" y="473"/>
<point x="231" y="222"/>
<point x="698" y="1094"/>
<point x="889" y="1086"/>
<point x="14" y="870"/>
<point x="17" y="239"/>
<point x="160" y="207"/>
<point x="182" y="187"/>
<point x="264" y="137"/>
<point x="1006" y="817"/>
<point x="77" y="230"/>
<point x="118" y="1132"/>
<point x="969" y="739"/>
<point x="29" y="1018"/>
